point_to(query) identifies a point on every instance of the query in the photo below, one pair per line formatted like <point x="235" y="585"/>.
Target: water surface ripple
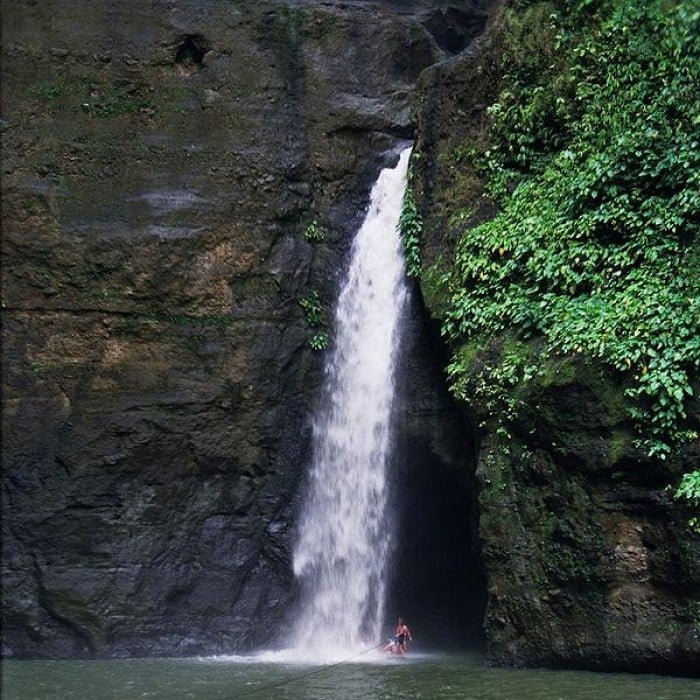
<point x="425" y="676"/>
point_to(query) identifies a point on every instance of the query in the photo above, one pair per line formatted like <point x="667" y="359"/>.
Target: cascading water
<point x="345" y="537"/>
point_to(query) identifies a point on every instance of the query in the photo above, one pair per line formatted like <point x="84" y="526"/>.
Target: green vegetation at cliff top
<point x="593" y="156"/>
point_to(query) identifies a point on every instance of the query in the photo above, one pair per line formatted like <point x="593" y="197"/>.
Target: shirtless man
<point x="402" y="634"/>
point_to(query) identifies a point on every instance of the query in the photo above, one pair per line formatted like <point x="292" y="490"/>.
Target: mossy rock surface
<point x="577" y="525"/>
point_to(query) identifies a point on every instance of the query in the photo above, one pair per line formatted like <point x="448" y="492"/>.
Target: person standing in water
<point x="397" y="643"/>
<point x="403" y="634"/>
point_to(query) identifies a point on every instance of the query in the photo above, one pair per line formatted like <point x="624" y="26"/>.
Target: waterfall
<point x="342" y="556"/>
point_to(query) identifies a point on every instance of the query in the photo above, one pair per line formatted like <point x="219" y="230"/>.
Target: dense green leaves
<point x="313" y="233"/>
<point x="315" y="318"/>
<point x="594" y="156"/>
<point x="313" y="310"/>
<point x="410" y="227"/>
<point x="689" y="490"/>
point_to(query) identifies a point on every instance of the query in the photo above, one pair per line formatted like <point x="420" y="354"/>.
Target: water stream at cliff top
<point x="342" y="556"/>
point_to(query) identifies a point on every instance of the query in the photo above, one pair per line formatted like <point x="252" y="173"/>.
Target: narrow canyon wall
<point x="162" y="164"/>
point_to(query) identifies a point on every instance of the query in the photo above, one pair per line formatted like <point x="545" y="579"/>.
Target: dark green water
<point x="421" y="676"/>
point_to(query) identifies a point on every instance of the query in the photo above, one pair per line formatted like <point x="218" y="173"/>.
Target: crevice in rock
<point x="453" y="28"/>
<point x="189" y="56"/>
<point x="438" y="583"/>
<point x="66" y="608"/>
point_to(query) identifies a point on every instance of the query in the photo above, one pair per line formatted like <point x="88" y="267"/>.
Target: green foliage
<point x="316" y="318"/>
<point x="689" y="489"/>
<point x="494" y="377"/>
<point x="313" y="233"/>
<point x="37" y="366"/>
<point x="313" y="310"/>
<point x="537" y="107"/>
<point x="311" y="303"/>
<point x="319" y="341"/>
<point x="594" y="157"/>
<point x="410" y="227"/>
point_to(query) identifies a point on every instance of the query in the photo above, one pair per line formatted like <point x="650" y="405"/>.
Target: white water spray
<point x="345" y="537"/>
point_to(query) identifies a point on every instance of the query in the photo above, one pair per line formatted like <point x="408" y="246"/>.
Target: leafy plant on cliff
<point x="689" y="490"/>
<point x="319" y="341"/>
<point x="313" y="310"/>
<point x="594" y="157"/>
<point x="313" y="233"/>
<point x="316" y="318"/>
<point x="410" y="227"/>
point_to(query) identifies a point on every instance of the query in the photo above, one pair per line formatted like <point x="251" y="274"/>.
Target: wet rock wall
<point x="161" y="166"/>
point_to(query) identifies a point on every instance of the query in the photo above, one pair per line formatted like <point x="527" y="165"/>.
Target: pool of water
<point x="428" y="676"/>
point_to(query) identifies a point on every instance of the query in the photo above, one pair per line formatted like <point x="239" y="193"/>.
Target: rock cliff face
<point x="588" y="560"/>
<point x="161" y="165"/>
